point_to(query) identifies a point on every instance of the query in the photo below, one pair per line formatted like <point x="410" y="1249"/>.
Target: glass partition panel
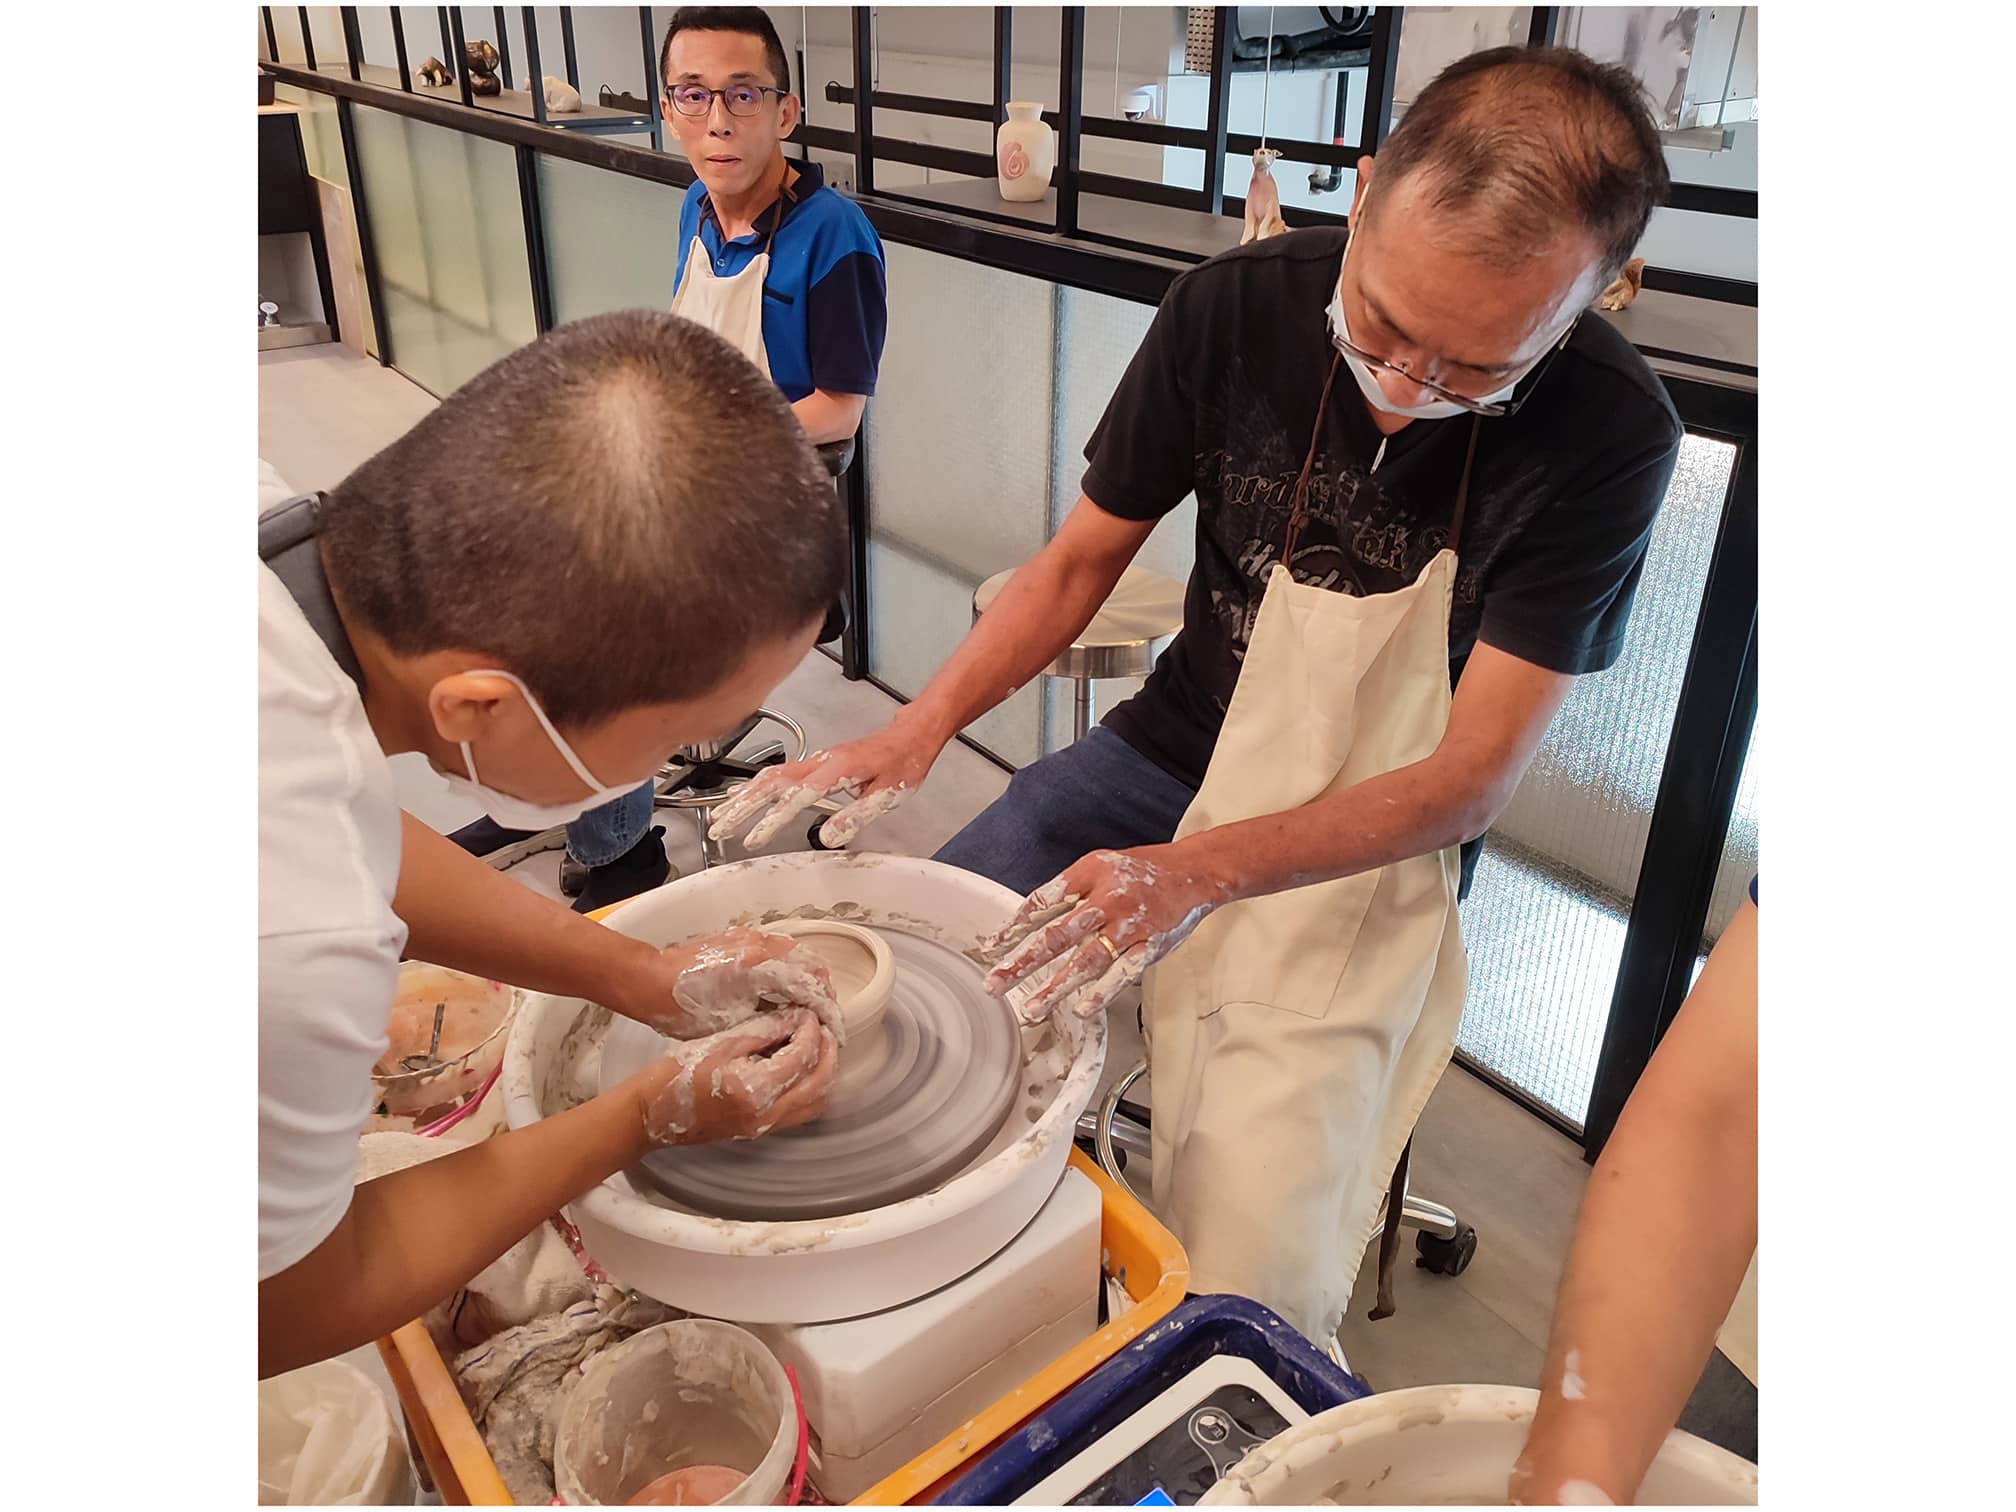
<point x="612" y="242"/>
<point x="1547" y="911"/>
<point x="450" y="242"/>
<point x="960" y="446"/>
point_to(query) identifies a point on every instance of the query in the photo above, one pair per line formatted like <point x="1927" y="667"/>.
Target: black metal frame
<point x="653" y="85"/>
<point x="1004" y="60"/>
<point x="353" y="40"/>
<point x="399" y="48"/>
<point x="1544" y="27"/>
<point x="535" y="239"/>
<point x="1697" y="787"/>
<point x="1377" y="118"/>
<point x="864" y="100"/>
<point x="503" y="44"/>
<point x="536" y="80"/>
<point x="567" y="47"/>
<point x="458" y="52"/>
<point x="272" y="37"/>
<point x="307" y="37"/>
<point x="374" y="292"/>
<point x="1071" y="126"/>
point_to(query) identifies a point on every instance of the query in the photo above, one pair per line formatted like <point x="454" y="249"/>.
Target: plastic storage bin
<point x="1201" y="1330"/>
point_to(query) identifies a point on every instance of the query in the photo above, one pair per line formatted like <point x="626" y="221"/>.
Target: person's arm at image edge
<point x="1664" y="1238"/>
<point x="409" y="1239"/>
<point x="413" y="1237"/>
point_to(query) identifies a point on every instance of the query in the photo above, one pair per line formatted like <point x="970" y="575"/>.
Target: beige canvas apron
<point x="1295" y="1038"/>
<point x="731" y="307"/>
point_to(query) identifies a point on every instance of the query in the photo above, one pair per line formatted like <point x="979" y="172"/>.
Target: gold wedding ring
<point x="1111" y="950"/>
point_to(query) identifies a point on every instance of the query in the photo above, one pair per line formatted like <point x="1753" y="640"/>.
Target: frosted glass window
<point x="450" y="242"/>
<point x="960" y="445"/>
<point x="612" y="242"/>
<point x="1547" y="910"/>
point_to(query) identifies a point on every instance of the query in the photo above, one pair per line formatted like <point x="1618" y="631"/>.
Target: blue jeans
<point x="1097" y="794"/>
<point x="603" y="834"/>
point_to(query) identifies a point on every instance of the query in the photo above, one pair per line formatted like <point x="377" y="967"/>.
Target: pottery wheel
<point x="914" y="1101"/>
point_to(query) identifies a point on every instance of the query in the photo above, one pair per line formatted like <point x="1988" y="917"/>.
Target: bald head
<point x="1516" y="149"/>
<point x="618" y="513"/>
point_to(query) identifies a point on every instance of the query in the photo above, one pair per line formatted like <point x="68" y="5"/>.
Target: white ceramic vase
<point x="1025" y="153"/>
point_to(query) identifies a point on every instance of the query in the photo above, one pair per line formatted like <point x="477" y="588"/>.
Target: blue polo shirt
<point x="825" y="300"/>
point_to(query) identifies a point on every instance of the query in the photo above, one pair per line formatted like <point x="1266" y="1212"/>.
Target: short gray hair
<point x="1530" y="139"/>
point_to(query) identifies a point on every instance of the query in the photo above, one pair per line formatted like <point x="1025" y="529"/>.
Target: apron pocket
<point x="1287" y="950"/>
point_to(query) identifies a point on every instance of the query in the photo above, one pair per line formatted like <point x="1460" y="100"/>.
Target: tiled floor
<point x="322" y="410"/>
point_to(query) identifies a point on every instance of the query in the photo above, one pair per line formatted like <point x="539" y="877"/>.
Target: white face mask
<point x="521" y="813"/>
<point x="1368" y="377"/>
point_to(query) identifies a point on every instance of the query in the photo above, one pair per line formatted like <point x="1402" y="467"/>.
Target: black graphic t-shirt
<point x="1221" y="399"/>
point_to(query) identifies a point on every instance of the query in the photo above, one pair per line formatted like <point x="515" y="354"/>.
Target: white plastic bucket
<point x="1440" y="1446"/>
<point x="327" y="1439"/>
<point x="683" y="1394"/>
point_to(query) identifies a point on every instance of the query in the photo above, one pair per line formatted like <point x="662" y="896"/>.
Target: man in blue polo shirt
<point x="779" y="265"/>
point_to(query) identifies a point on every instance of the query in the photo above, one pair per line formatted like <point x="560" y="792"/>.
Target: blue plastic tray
<point x="1200" y="1329"/>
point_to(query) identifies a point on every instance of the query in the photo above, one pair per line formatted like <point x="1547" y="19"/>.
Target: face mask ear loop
<point x="559" y="744"/>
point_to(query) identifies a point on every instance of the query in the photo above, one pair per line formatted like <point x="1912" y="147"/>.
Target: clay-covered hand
<point x="772" y="1071"/>
<point x="716" y="983"/>
<point x="1143" y="903"/>
<point x="876" y="772"/>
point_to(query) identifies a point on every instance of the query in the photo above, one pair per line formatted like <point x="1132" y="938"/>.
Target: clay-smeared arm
<point x="411" y="1238"/>
<point x="1147" y="901"/>
<point x="1040" y="611"/>
<point x="1666" y="1232"/>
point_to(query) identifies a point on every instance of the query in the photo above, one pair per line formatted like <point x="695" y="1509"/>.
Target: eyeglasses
<point x="1485" y="407"/>
<point x="741" y="99"/>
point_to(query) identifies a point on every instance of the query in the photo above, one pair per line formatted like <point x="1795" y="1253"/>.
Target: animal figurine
<point x="482" y="60"/>
<point x="1625" y="287"/>
<point x="562" y="98"/>
<point x="1263" y="199"/>
<point x="434" y="72"/>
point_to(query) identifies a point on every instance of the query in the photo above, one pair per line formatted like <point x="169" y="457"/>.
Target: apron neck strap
<point x="1463" y="487"/>
<point x="1298" y="507"/>
<point x="1298" y="510"/>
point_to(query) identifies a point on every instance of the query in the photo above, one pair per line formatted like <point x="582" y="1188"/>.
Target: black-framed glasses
<point x="741" y="99"/>
<point x="1489" y="409"/>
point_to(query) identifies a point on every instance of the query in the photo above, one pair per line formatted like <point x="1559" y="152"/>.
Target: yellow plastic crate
<point x="1137" y="1251"/>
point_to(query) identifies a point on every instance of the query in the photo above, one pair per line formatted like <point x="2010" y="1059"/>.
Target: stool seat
<point x="1139" y="618"/>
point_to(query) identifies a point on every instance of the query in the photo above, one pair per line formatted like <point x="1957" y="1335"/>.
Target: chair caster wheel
<point x="1446" y="1257"/>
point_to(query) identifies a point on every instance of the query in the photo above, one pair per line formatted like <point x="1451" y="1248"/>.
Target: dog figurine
<point x="1263" y="199"/>
<point x="1624" y="288"/>
<point x="434" y="72"/>
<point x="562" y="98"/>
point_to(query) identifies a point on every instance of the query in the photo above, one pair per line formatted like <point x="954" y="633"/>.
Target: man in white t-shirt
<point x="609" y="545"/>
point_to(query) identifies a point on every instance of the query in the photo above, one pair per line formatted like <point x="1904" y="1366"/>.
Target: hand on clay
<point x="719" y="982"/>
<point x="1143" y="902"/>
<point x="772" y="1071"/>
<point x="877" y="772"/>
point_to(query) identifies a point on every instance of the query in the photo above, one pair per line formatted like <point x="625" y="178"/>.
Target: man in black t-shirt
<point x="1512" y="192"/>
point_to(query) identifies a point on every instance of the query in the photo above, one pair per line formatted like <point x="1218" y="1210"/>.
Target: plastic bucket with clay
<point x="1447" y="1446"/>
<point x="689" y="1413"/>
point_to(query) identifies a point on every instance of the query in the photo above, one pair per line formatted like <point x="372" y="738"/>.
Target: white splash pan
<point x="814" y="1270"/>
<point x="1439" y="1446"/>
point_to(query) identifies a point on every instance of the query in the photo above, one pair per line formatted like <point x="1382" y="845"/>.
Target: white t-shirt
<point x="329" y="942"/>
